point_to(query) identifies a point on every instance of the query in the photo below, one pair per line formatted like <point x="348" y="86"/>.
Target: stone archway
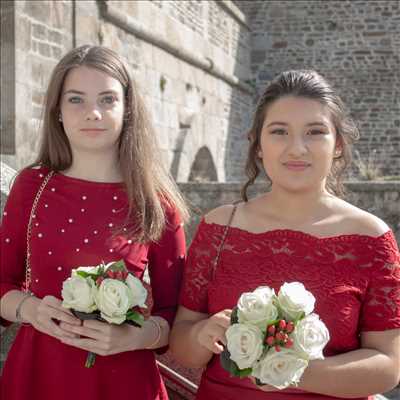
<point x="203" y="167"/>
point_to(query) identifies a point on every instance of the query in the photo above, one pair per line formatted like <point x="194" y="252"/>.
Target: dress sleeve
<point x="13" y="234"/>
<point x="166" y="260"/>
<point x="381" y="307"/>
<point x="198" y="268"/>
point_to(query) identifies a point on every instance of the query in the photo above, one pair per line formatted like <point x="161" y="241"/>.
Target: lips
<point x="92" y="130"/>
<point x="296" y="165"/>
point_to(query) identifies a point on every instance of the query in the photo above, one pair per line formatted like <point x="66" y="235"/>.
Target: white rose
<point x="114" y="298"/>
<point x="79" y="294"/>
<point x="280" y="369"/>
<point x="310" y="337"/>
<point x="294" y="300"/>
<point x="89" y="270"/>
<point x="258" y="307"/>
<point x="139" y="292"/>
<point x="245" y="344"/>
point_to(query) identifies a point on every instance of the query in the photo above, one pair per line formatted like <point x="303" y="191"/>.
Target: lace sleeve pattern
<point x="381" y="308"/>
<point x="198" y="269"/>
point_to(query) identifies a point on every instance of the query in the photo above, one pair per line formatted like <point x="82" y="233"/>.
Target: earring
<point x="260" y="154"/>
<point x="60" y="117"/>
<point x="338" y="154"/>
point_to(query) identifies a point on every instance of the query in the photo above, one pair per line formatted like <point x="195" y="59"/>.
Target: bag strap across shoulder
<point x="221" y="246"/>
<point x="27" y="282"/>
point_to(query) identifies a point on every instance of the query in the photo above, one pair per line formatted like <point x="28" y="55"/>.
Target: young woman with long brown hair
<point x="106" y="197"/>
<point x="299" y="230"/>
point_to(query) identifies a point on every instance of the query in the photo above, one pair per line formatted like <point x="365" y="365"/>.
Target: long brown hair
<point x="150" y="188"/>
<point x="309" y="84"/>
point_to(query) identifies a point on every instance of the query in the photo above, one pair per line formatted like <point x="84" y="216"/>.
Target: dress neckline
<point x="279" y="233"/>
<point x="80" y="181"/>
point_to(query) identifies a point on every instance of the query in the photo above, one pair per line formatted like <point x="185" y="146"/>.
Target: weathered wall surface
<point x="190" y="60"/>
<point x="355" y="44"/>
<point x="380" y="198"/>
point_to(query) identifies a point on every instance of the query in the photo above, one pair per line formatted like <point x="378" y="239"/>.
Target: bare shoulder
<point x="360" y="221"/>
<point x="219" y="215"/>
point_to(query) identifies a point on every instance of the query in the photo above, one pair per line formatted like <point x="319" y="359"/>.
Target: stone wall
<point x="42" y="34"/>
<point x="190" y="60"/>
<point x="380" y="198"/>
<point x="355" y="44"/>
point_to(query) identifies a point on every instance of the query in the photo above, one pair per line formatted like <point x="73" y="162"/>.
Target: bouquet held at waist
<point x="106" y="292"/>
<point x="273" y="337"/>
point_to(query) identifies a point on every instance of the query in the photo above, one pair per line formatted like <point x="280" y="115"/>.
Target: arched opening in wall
<point x="203" y="167"/>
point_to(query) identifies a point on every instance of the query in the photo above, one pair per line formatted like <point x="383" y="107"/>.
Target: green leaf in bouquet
<point x="83" y="274"/>
<point x="135" y="318"/>
<point x="303" y="314"/>
<point x="234" y="316"/>
<point x="230" y="366"/>
<point x="118" y="266"/>
<point x="101" y="269"/>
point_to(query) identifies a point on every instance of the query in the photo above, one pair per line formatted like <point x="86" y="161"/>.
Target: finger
<point x="68" y="328"/>
<point x="57" y="314"/>
<point x="84" y="331"/>
<point x="222" y="319"/>
<point x="97" y="325"/>
<point x="51" y="328"/>
<point x="62" y="316"/>
<point x="217" y="348"/>
<point x="91" y="345"/>
<point x="56" y="304"/>
<point x="216" y="331"/>
<point x="211" y="344"/>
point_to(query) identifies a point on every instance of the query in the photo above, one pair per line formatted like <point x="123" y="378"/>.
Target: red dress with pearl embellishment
<point x="73" y="226"/>
<point x="354" y="278"/>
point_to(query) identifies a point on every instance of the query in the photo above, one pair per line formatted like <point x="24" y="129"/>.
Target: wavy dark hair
<point x="311" y="85"/>
<point x="150" y="188"/>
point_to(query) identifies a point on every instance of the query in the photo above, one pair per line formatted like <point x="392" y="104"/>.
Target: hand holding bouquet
<point x="107" y="292"/>
<point x="273" y="337"/>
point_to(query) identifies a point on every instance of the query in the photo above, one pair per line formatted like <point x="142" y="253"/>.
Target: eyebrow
<point x="315" y="123"/>
<point x="73" y="91"/>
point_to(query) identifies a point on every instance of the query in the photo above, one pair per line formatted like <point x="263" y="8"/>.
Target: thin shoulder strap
<point x="32" y="215"/>
<point x="221" y="246"/>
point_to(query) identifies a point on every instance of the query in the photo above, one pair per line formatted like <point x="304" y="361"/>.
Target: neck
<point x="299" y="207"/>
<point x="95" y="167"/>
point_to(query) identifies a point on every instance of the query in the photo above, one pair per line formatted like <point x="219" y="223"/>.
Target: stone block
<point x="39" y="10"/>
<point x="39" y="31"/>
<point x="45" y="49"/>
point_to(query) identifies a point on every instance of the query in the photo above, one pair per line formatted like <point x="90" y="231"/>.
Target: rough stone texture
<point x="354" y="44"/>
<point x="380" y="198"/>
<point x="43" y="34"/>
<point x="191" y="108"/>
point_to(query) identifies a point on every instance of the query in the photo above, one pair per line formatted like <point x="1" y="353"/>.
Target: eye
<point x="315" y="132"/>
<point x="109" y="99"/>
<point x="75" y="100"/>
<point x="278" y="132"/>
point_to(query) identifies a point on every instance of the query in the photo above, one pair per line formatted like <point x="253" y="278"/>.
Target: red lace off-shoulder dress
<point x="354" y="278"/>
<point x="73" y="226"/>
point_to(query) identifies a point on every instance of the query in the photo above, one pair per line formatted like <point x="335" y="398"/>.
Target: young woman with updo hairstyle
<point x="298" y="230"/>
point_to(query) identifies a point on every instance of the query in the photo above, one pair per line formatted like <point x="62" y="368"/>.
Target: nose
<point x="297" y="147"/>
<point x="93" y="114"/>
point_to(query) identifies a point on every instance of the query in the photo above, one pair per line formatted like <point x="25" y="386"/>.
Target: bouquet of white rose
<point x="107" y="292"/>
<point x="273" y="337"/>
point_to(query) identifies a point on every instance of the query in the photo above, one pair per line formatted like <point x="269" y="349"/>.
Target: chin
<point x="298" y="187"/>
